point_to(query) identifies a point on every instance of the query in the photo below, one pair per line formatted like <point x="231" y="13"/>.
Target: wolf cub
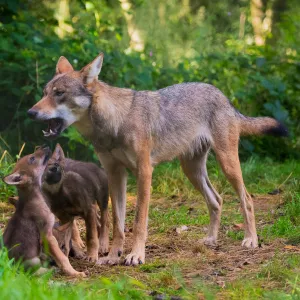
<point x="32" y="223"/>
<point x="73" y="188"/>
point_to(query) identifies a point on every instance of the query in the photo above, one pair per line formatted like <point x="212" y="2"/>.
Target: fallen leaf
<point x="291" y="247"/>
<point x="239" y="226"/>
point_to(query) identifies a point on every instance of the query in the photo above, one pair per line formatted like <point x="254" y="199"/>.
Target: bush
<point x="258" y="80"/>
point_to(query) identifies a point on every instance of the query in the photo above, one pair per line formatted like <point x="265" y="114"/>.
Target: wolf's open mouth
<point x="55" y="127"/>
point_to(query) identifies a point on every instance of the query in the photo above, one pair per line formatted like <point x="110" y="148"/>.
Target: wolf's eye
<point x="59" y="93"/>
<point x="32" y="159"/>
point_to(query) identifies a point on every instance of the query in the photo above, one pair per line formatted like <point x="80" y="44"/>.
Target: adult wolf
<point x="139" y="129"/>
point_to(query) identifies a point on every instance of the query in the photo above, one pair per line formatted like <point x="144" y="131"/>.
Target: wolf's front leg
<point x="77" y="243"/>
<point x="144" y="176"/>
<point x="61" y="260"/>
<point x="76" y="238"/>
<point x="117" y="181"/>
<point x="92" y="241"/>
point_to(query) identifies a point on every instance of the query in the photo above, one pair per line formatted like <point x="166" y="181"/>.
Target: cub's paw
<point x="92" y="257"/>
<point x="103" y="247"/>
<point x="109" y="260"/>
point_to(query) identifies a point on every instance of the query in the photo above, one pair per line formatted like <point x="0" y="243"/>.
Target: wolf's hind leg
<point x="195" y="169"/>
<point x="32" y="263"/>
<point x="227" y="154"/>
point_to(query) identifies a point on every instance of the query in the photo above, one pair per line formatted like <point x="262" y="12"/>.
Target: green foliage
<point x="205" y="47"/>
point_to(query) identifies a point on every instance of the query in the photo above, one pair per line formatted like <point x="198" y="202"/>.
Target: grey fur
<point x="139" y="129"/>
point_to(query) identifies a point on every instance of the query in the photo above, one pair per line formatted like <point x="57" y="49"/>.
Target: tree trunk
<point x="136" y="41"/>
<point x="62" y="14"/>
<point x="257" y="15"/>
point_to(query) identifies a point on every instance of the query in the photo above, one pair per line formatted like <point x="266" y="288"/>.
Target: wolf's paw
<point x="103" y="247"/>
<point x="109" y="260"/>
<point x="79" y="254"/>
<point x="73" y="273"/>
<point x="134" y="259"/>
<point x="210" y="241"/>
<point x="93" y="257"/>
<point x="250" y="242"/>
<point x="79" y="274"/>
<point x="80" y="243"/>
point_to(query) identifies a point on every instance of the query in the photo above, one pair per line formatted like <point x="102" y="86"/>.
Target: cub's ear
<point x="63" y="66"/>
<point x="58" y="153"/>
<point x="15" y="179"/>
<point x="91" y="71"/>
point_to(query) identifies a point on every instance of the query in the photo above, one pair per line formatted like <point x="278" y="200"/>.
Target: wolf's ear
<point x="15" y="179"/>
<point x="63" y="66"/>
<point x="91" y="71"/>
<point x="58" y="153"/>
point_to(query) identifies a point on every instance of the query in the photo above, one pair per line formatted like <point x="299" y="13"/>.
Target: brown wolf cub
<point x="32" y="222"/>
<point x="73" y="188"/>
<point x="139" y="129"/>
<point x="62" y="233"/>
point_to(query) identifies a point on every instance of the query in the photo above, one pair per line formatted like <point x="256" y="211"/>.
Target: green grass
<point x="17" y="284"/>
<point x="260" y="176"/>
<point x="176" y="203"/>
<point x="288" y="222"/>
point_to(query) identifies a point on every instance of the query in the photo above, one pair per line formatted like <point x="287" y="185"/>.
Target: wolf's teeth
<point x="51" y="132"/>
<point x="46" y="133"/>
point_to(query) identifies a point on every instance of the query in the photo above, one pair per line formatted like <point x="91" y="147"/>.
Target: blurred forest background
<point x="250" y="49"/>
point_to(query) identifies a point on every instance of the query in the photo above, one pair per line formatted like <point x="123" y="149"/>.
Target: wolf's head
<point x="67" y="96"/>
<point x="54" y="172"/>
<point x="29" y="169"/>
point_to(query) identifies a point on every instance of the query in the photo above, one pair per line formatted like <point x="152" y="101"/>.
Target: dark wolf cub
<point x="75" y="188"/>
<point x="32" y="222"/>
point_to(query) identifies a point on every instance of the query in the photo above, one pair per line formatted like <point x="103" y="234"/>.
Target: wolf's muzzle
<point x="32" y="113"/>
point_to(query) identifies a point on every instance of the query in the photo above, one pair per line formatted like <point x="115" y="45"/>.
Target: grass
<point x="15" y="283"/>
<point x="178" y="265"/>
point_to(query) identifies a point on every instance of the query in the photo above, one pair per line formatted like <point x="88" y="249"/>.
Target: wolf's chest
<point x="126" y="156"/>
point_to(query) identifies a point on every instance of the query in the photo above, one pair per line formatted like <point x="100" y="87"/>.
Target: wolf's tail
<point x="261" y="125"/>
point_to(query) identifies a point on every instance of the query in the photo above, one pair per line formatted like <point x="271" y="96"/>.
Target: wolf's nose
<point x="53" y="169"/>
<point x="32" y="113"/>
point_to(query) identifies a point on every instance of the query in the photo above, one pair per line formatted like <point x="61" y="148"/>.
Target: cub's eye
<point x="59" y="93"/>
<point x="32" y="159"/>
